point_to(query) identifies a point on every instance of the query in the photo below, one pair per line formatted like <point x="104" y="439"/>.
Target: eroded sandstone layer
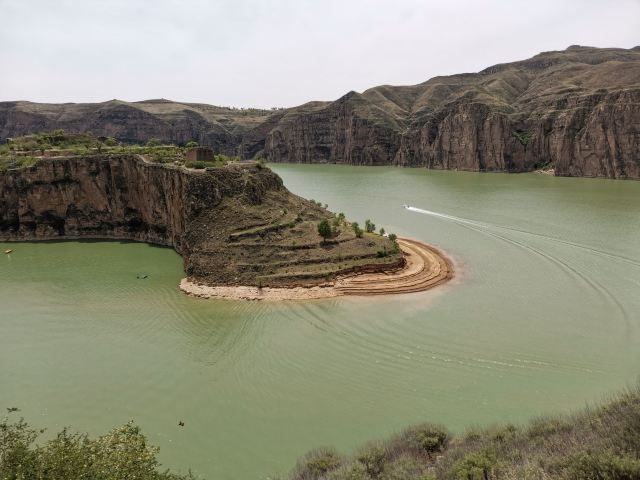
<point x="233" y="225"/>
<point x="576" y="111"/>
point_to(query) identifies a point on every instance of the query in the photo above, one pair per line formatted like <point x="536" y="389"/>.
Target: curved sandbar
<point x="426" y="267"/>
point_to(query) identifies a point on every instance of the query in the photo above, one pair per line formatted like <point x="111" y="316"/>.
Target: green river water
<point x="543" y="317"/>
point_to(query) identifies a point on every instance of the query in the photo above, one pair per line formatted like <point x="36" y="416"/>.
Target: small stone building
<point x="199" y="154"/>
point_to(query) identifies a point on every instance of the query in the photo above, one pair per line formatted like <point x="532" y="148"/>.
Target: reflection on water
<point x="543" y="318"/>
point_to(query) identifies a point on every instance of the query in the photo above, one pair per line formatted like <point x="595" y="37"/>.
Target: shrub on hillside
<point x="475" y="466"/>
<point x="324" y="229"/>
<point x="603" y="466"/>
<point x="369" y="226"/>
<point x="373" y="459"/>
<point x="315" y="464"/>
<point x="425" y="439"/>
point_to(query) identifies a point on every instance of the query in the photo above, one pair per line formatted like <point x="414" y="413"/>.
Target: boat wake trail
<point x="466" y="221"/>
<point x="448" y="217"/>
<point x="594" y="285"/>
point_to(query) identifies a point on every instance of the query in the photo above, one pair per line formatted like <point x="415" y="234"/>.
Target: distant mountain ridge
<point x="576" y="110"/>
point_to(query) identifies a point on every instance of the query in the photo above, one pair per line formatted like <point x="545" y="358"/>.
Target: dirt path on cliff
<point x="426" y="267"/>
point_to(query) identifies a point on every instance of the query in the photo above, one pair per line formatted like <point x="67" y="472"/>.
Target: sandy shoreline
<point x="426" y="267"/>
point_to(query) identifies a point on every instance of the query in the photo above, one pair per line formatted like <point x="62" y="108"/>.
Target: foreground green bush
<point x="122" y="454"/>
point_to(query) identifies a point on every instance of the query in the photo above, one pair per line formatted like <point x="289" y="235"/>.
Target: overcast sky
<point x="280" y="53"/>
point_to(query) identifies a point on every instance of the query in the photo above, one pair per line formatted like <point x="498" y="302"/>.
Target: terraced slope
<point x="425" y="268"/>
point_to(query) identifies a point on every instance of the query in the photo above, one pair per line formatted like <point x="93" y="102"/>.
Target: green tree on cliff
<point x="369" y="226"/>
<point x="324" y="229"/>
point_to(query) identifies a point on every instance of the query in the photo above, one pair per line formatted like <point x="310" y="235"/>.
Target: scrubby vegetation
<point x="369" y="226"/>
<point x="24" y="151"/>
<point x="600" y="443"/>
<point x="122" y="454"/>
<point x="523" y="137"/>
<point x="324" y="229"/>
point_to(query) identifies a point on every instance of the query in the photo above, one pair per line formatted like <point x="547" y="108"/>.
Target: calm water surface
<point x="544" y="317"/>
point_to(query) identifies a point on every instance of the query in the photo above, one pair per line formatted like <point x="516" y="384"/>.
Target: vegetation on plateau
<point x="600" y="443"/>
<point x="25" y="151"/>
<point x="122" y="454"/>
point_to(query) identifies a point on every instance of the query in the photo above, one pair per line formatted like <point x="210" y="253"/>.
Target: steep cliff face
<point x="234" y="225"/>
<point x="346" y="131"/>
<point x="119" y="197"/>
<point x="135" y="122"/>
<point x="575" y="110"/>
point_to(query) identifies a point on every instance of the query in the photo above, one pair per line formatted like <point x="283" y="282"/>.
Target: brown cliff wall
<point x="337" y="133"/>
<point x="120" y="197"/>
<point x="124" y="197"/>
<point x="592" y="135"/>
<point x="575" y="110"/>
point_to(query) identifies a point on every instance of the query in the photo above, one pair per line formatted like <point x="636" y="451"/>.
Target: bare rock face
<point x="135" y="122"/>
<point x="336" y="132"/>
<point x="99" y="197"/>
<point x="233" y="225"/>
<point x="576" y="111"/>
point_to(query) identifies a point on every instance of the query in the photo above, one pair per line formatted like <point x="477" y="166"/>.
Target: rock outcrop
<point x="577" y="111"/>
<point x="135" y="122"/>
<point x="233" y="225"/>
